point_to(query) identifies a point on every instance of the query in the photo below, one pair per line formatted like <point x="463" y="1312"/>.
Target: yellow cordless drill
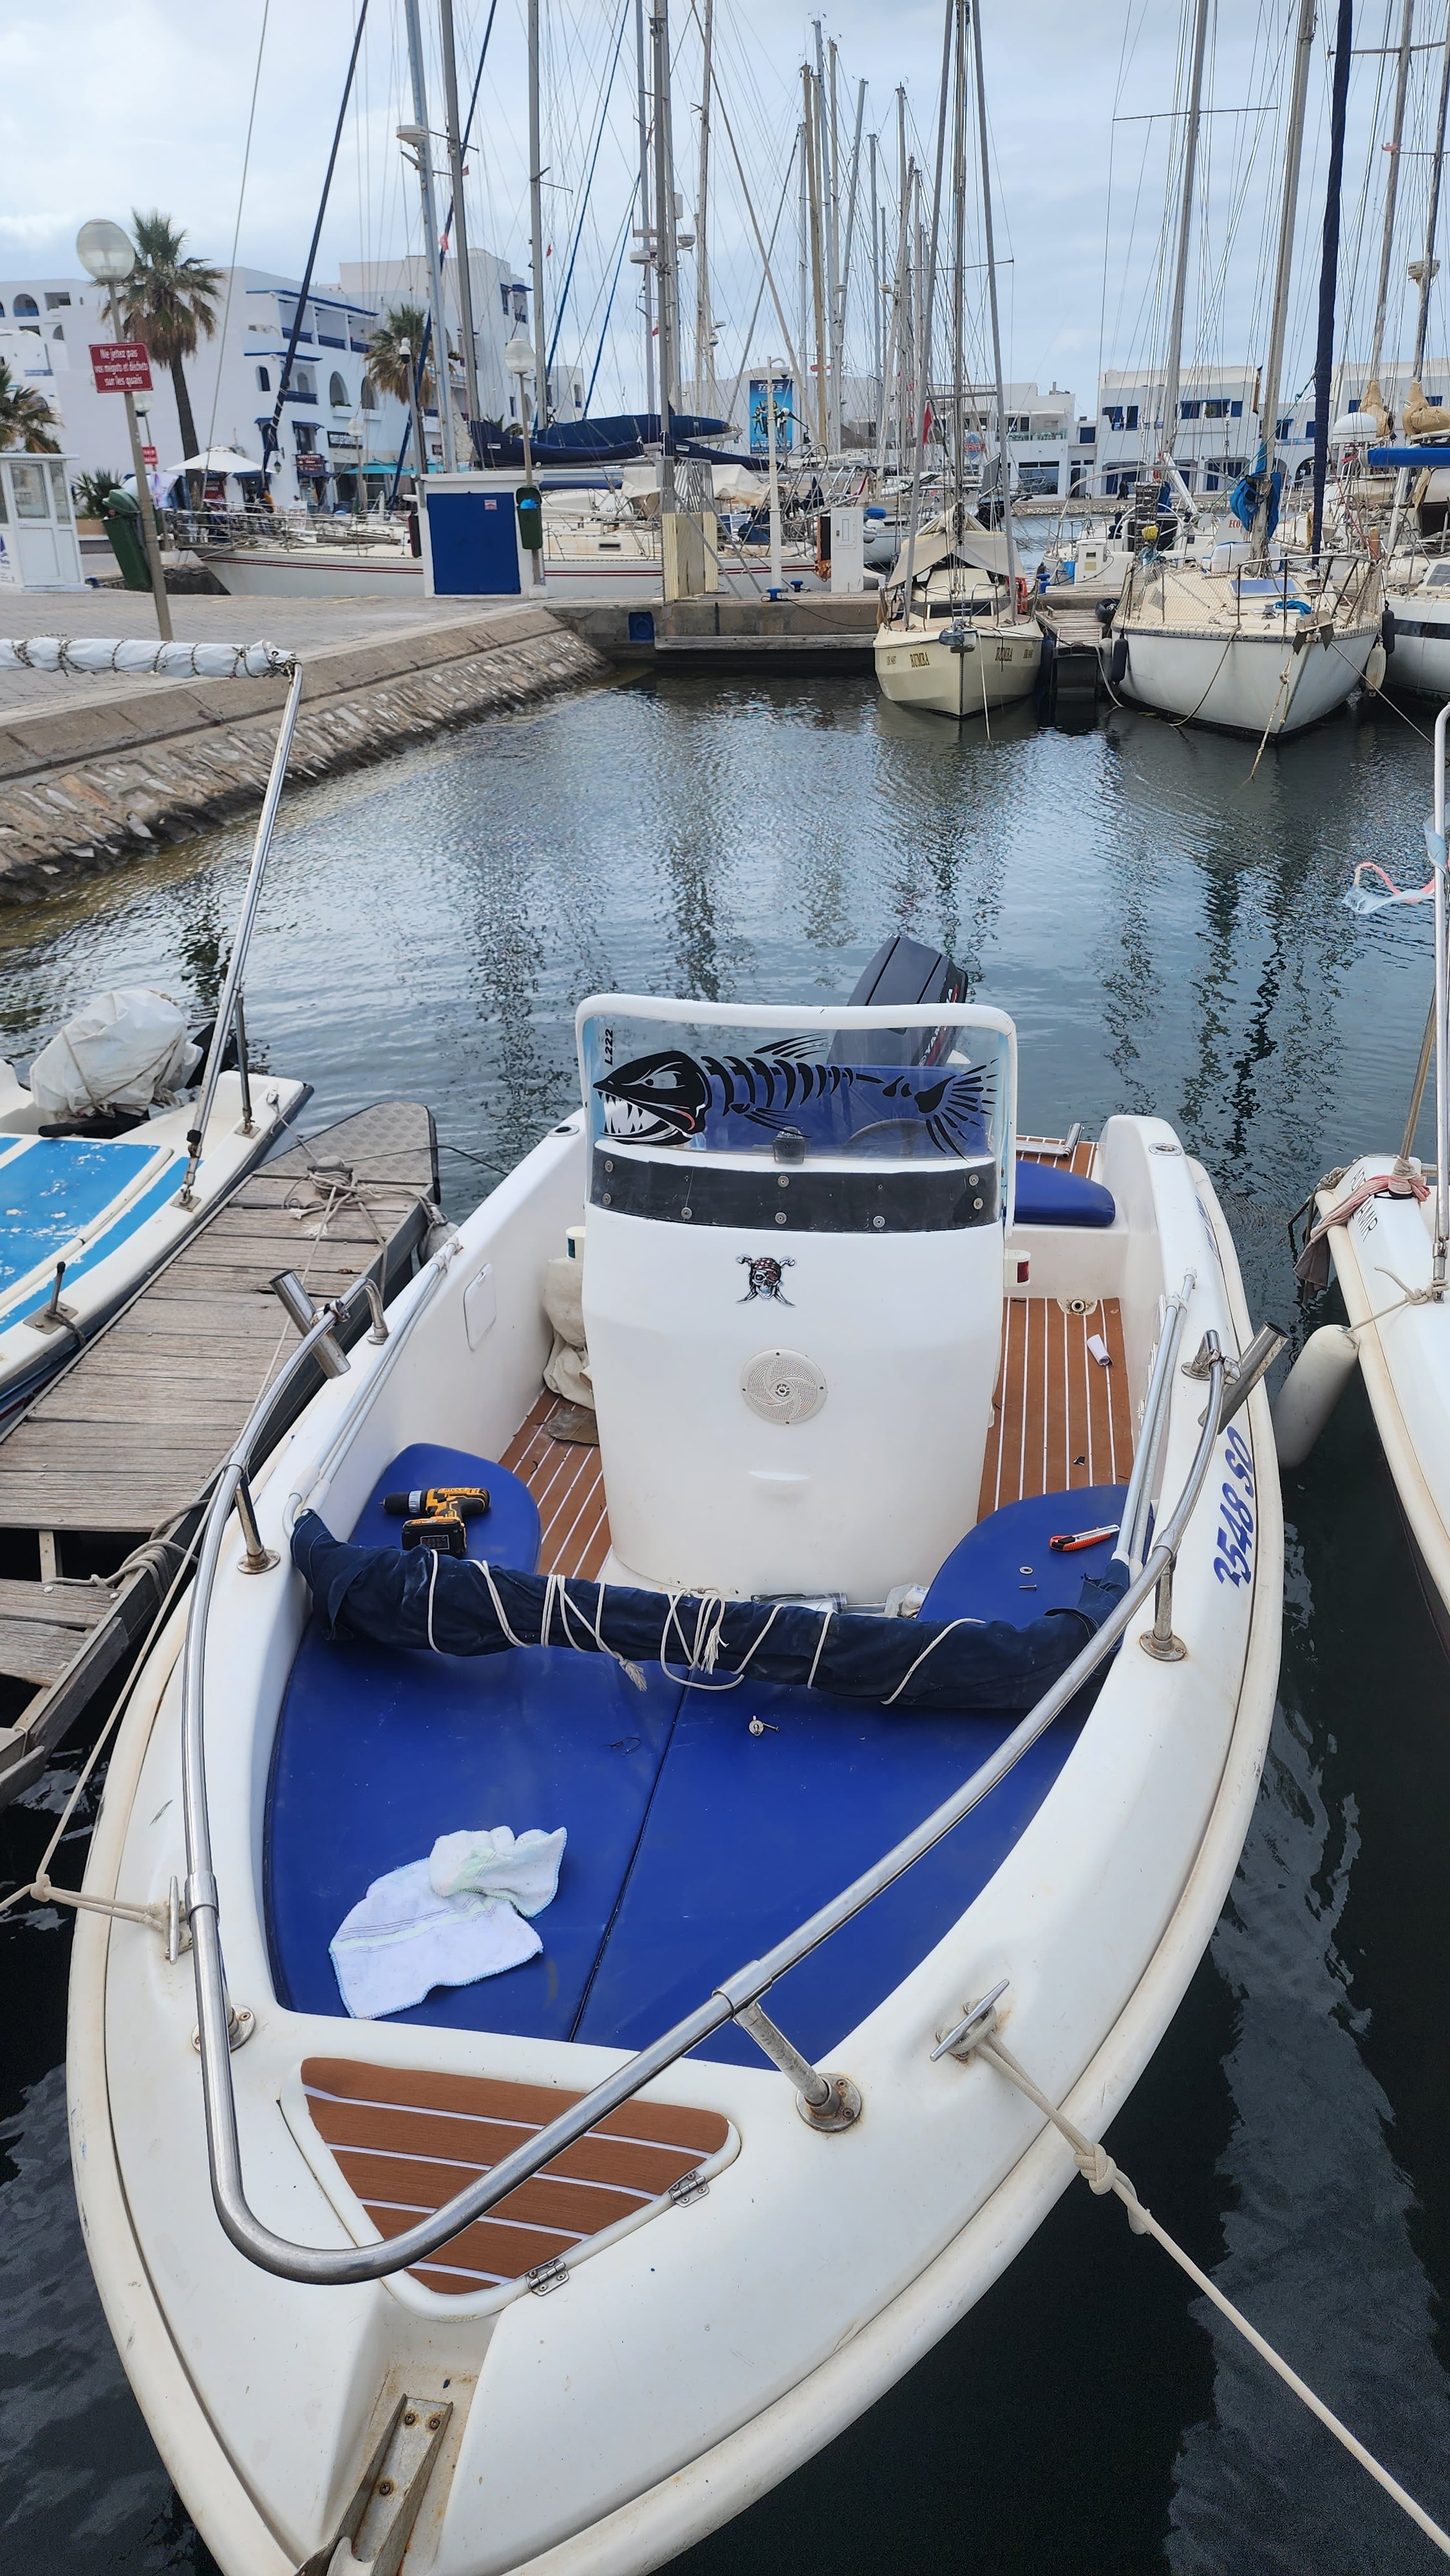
<point x="434" y="1515"/>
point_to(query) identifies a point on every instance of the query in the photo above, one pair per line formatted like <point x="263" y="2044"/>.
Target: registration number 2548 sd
<point x="1234" y="1562"/>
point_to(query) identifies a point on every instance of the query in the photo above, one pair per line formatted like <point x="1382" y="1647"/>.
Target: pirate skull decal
<point x="766" y="1277"/>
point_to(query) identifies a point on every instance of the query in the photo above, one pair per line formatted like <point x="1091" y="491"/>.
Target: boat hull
<point x="1240" y="683"/>
<point x="1420" y="663"/>
<point x="704" y="2356"/>
<point x="1404" y="1356"/>
<point x="920" y="669"/>
<point x="305" y="572"/>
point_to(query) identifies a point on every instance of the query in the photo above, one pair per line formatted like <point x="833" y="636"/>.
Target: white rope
<point x="820" y="1647"/>
<point x="939" y="1639"/>
<point x="1101" y="2175"/>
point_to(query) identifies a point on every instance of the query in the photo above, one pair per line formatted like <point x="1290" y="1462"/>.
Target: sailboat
<point x="898" y="1660"/>
<point x="955" y="637"/>
<point x="1381" y="1223"/>
<point x="1248" y="641"/>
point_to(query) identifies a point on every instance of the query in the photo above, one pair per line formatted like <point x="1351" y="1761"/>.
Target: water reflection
<point x="1169" y="935"/>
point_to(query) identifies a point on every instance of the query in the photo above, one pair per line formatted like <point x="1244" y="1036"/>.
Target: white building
<point x="338" y="438"/>
<point x="1218" y="429"/>
<point x="500" y="309"/>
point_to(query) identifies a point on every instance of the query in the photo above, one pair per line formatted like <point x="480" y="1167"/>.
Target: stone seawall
<point x="85" y="783"/>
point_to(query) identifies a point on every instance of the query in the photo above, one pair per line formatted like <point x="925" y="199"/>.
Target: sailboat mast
<point x="1329" y="269"/>
<point x="876" y="366"/>
<point x="665" y="260"/>
<point x="1432" y="218"/>
<point x="460" y="227"/>
<point x="542" y="406"/>
<point x="430" y="229"/>
<point x="1003" y="450"/>
<point x="811" y="91"/>
<point x="1283" y="270"/>
<point x="926" y="291"/>
<point x="705" y="394"/>
<point x="1172" y="377"/>
<point x="959" y="238"/>
<point x="647" y="261"/>
<point x="1392" y="187"/>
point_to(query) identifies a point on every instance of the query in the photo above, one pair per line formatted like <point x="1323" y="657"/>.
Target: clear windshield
<point x="874" y="1094"/>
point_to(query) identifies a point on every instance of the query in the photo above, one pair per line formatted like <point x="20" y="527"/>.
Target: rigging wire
<point x="237" y="230"/>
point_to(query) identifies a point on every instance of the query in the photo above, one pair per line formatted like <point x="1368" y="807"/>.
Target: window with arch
<point x="369" y="395"/>
<point x="264" y="381"/>
<point x="2" y="312"/>
<point x="337" y="393"/>
<point x="303" y="385"/>
<point x="26" y="304"/>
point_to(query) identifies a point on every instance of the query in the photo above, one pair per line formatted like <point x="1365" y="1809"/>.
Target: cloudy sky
<point x="137" y="103"/>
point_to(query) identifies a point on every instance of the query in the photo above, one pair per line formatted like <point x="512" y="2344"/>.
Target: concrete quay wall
<point x="92" y="780"/>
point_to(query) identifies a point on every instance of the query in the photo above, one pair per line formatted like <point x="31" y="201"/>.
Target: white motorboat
<point x="559" y="2270"/>
<point x="131" y="1134"/>
<point x="1382" y="1223"/>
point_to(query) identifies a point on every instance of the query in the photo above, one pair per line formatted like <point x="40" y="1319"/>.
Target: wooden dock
<point x="1073" y="673"/>
<point x="103" y="1477"/>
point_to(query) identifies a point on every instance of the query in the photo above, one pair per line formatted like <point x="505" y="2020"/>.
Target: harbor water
<point x="1165" y="923"/>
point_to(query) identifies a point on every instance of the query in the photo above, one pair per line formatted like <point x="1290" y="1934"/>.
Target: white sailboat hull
<point x="1264" y="685"/>
<point x="1405" y="1358"/>
<point x="920" y="669"/>
<point x="697" y="2359"/>
<point x="1421" y="658"/>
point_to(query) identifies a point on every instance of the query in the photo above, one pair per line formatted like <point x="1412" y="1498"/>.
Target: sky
<point x="138" y="103"/>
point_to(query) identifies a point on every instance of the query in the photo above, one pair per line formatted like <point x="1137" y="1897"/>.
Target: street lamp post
<point x="106" y="253"/>
<point x="519" y="359"/>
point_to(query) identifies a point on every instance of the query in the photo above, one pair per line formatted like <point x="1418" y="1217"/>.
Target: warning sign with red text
<point x="120" y="367"/>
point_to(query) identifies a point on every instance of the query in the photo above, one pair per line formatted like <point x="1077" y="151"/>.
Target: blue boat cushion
<point x="54" y="1189"/>
<point x="1005" y="1568"/>
<point x="693" y="1843"/>
<point x="380" y="1750"/>
<point x="1047" y="1194"/>
<point x="508" y="1533"/>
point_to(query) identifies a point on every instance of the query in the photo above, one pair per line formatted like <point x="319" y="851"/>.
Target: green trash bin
<point x="122" y="514"/>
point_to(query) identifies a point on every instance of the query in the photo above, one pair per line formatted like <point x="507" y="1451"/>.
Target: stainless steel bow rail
<point x="172" y="661"/>
<point x="827" y="2102"/>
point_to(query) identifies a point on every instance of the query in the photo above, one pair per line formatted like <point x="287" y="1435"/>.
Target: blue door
<point x="475" y="552"/>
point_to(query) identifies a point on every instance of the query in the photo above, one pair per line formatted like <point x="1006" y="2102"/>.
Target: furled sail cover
<point x="458" y="1607"/>
<point x="174" y="661"/>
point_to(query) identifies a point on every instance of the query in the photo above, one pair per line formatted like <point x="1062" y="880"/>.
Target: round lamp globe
<point x="518" y="357"/>
<point x="105" y="252"/>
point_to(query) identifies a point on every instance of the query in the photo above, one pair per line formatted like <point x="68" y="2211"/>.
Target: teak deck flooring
<point x="1061" y="1418"/>
<point x="406" y="2140"/>
<point x="567" y="1482"/>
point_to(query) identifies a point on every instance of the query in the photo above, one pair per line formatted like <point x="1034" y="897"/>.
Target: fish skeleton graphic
<point x="672" y="1098"/>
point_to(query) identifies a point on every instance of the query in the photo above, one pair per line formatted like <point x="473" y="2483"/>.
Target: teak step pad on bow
<point x="406" y="2141"/>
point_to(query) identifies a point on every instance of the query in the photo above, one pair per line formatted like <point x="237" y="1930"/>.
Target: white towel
<point x="447" y="1920"/>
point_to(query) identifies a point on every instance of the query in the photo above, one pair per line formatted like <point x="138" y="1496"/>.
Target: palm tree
<point x="26" y="418"/>
<point x="168" y="302"/>
<point x="393" y="354"/>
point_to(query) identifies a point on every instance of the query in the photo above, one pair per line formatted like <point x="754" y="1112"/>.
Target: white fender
<point x="1311" y="1391"/>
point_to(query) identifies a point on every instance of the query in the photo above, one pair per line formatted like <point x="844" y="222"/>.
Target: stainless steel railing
<point x="229" y="1008"/>
<point x="827" y="2101"/>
